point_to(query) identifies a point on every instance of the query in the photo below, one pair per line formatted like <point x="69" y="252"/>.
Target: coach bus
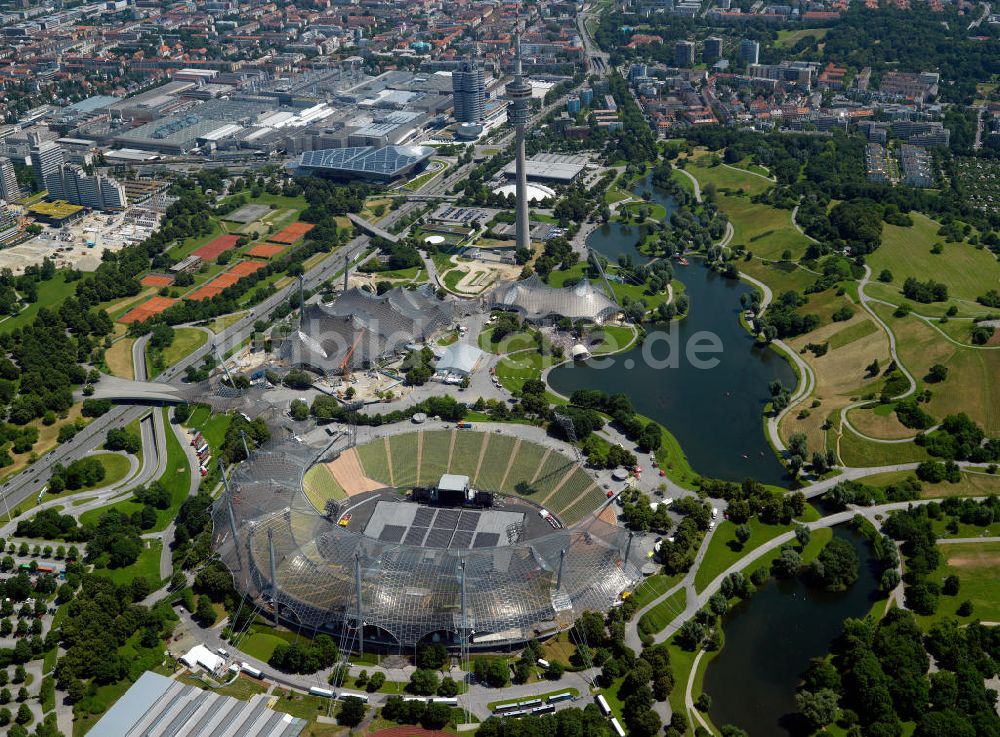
<point x="556" y="698"/>
<point x="251" y="671"/>
<point x="603" y="704"/>
<point x="617" y="727"/>
<point x="324" y="692"/>
<point x="349" y="694"/>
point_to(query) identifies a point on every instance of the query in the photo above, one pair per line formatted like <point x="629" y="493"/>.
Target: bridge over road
<point x="371" y="228"/>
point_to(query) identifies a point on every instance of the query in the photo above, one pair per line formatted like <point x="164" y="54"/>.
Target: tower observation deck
<point x="518" y="112"/>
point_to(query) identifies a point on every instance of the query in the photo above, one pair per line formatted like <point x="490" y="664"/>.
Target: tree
<point x="703" y="703"/>
<point x="802" y="535"/>
<point x="448" y="687"/>
<point x="375" y="682"/>
<point x="299" y="410"/>
<point x="122" y="439"/>
<point x="788" y="562"/>
<point x="423" y="682"/>
<point x="352" y="711"/>
<point x="23" y="714"/>
<point x="743" y="533"/>
<point x="951" y="585"/>
<point x="205" y="613"/>
<point x="819" y="708"/>
<point x="836" y="568"/>
<point x="937" y="373"/>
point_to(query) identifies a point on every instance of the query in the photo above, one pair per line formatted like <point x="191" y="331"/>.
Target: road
<point x="598" y="60"/>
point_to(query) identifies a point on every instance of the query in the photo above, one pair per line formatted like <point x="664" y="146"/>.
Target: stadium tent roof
<point x="156" y="706"/>
<point x="366" y="162"/>
<point x="537" y="301"/>
<point x="409" y="590"/>
<point x="460" y="358"/>
<point x="363" y="328"/>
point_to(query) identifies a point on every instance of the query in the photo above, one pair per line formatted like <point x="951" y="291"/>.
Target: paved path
<point x="694" y="181"/>
<point x="807" y="378"/>
<point x="845" y="421"/>
<point x="689" y="701"/>
<point x="795" y="211"/>
<point x="960" y="540"/>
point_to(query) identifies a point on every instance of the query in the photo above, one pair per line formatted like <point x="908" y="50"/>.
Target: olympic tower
<point x="519" y="94"/>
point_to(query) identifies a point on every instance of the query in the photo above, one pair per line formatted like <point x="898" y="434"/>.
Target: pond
<point x="716" y="413"/>
<point x="769" y="640"/>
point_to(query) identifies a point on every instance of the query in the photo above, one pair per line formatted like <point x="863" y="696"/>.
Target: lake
<point x="715" y="413"/>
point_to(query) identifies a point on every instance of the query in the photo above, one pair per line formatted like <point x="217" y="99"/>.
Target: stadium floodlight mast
<point x="595" y="259"/>
<point x="225" y="368"/>
<point x="274" y="572"/>
<point x="566" y="423"/>
<point x="232" y="515"/>
<point x="359" y="623"/>
<point x="302" y="300"/>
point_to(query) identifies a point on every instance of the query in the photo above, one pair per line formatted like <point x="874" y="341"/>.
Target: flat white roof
<point x="453" y="482"/>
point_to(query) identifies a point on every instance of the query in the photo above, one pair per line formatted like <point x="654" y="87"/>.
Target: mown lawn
<point x="176" y="478"/>
<point x="663" y="613"/>
<point x="186" y="341"/>
<point x="724" y="550"/>
<point x="762" y="229"/>
<point x="977" y="566"/>
<point x="516" y="369"/>
<point x="116" y="467"/>
<point x="967" y="271"/>
<point x="147" y="566"/>
<point x="51" y="293"/>
<point x="971" y="387"/>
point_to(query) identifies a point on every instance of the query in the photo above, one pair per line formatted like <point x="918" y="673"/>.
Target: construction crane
<point x="345" y="365"/>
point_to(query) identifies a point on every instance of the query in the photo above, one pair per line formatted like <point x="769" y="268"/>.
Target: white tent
<point x="200" y="655"/>
<point x="460" y="358"/>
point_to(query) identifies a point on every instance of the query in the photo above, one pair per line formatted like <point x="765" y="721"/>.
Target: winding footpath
<point x="807" y="378"/>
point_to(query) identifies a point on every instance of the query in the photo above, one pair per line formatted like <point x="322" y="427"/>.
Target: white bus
<point x="556" y="698"/>
<point x="324" y="692"/>
<point x="446" y="700"/>
<point x="617" y="727"/>
<point x="348" y="694"/>
<point x="251" y="671"/>
<point x="603" y="704"/>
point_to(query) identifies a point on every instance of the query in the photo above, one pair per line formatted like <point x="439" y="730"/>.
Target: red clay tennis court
<point x="153" y="306"/>
<point x="156" y="280"/>
<point x="212" y="249"/>
<point x="215" y="287"/>
<point x="245" y="268"/>
<point x="265" y="250"/>
<point x="292" y="233"/>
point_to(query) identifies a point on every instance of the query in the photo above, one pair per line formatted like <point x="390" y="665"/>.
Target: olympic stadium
<point x="339" y="543"/>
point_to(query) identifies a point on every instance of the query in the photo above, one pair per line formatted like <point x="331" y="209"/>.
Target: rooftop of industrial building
<point x="557" y="167"/>
<point x="156" y="706"/>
